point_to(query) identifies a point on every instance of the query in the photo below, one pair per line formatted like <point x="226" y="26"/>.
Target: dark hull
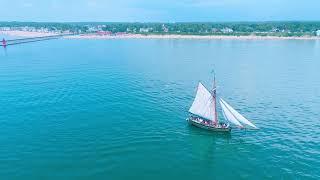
<point x="209" y="128"/>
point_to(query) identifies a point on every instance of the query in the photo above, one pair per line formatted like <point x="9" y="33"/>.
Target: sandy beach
<point x="26" y="33"/>
<point x="141" y="36"/>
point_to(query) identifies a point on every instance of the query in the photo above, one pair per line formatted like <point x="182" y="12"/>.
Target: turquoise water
<point x="116" y="109"/>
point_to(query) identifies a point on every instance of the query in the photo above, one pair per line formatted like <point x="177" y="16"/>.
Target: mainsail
<point x="204" y="104"/>
<point x="235" y="114"/>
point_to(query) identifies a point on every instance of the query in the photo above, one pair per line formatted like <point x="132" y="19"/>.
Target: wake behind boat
<point x="203" y="112"/>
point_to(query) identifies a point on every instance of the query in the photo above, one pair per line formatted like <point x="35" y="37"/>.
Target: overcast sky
<point x="159" y="10"/>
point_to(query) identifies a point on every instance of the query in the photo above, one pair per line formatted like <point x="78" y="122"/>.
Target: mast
<point x="215" y="98"/>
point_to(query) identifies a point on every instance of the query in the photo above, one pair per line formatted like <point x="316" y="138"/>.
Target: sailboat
<point x="203" y="112"/>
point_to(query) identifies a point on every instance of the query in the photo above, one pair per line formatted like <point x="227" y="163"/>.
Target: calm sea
<point x="116" y="109"/>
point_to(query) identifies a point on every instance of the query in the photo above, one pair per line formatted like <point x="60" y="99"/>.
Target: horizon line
<point x="168" y="22"/>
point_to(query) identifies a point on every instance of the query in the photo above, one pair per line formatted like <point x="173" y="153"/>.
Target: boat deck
<point x="208" y="126"/>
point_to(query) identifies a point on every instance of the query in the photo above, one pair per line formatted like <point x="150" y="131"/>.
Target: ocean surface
<point x="116" y="109"/>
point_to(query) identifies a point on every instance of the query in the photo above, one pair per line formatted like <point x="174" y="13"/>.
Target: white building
<point x="214" y="30"/>
<point x="164" y="28"/>
<point x="145" y="30"/>
<point x="92" y="29"/>
<point x="226" y="30"/>
<point x="5" y="28"/>
<point x="318" y="33"/>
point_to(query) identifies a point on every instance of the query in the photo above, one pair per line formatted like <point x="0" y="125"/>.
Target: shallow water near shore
<point x="116" y="109"/>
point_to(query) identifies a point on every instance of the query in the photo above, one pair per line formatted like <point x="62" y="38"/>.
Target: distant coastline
<point x="176" y="36"/>
<point x="300" y="30"/>
<point x="17" y="33"/>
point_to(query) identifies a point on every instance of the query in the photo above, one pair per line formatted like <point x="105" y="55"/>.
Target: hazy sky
<point x="159" y="10"/>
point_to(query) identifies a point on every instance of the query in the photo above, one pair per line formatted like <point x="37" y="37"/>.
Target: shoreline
<point x="153" y="36"/>
<point x="205" y="37"/>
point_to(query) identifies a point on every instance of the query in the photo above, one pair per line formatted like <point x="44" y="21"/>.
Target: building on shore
<point x="5" y="29"/>
<point x="227" y="30"/>
<point x="104" y="33"/>
<point x="145" y="30"/>
<point x="214" y="30"/>
<point x="318" y="32"/>
<point x="164" y="28"/>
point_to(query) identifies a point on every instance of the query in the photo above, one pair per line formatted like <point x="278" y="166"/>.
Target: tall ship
<point x="204" y="114"/>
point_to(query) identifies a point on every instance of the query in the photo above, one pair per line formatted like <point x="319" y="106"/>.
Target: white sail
<point x="237" y="115"/>
<point x="203" y="104"/>
<point x="229" y="116"/>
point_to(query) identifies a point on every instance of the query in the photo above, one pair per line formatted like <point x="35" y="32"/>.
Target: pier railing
<point x="31" y="39"/>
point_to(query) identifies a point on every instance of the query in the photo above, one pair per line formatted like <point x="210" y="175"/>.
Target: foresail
<point x="203" y="104"/>
<point x="237" y="115"/>
<point x="229" y="116"/>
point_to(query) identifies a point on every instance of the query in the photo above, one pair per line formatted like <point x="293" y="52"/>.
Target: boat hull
<point x="209" y="128"/>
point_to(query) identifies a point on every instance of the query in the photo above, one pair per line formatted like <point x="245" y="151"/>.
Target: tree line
<point x="194" y="28"/>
